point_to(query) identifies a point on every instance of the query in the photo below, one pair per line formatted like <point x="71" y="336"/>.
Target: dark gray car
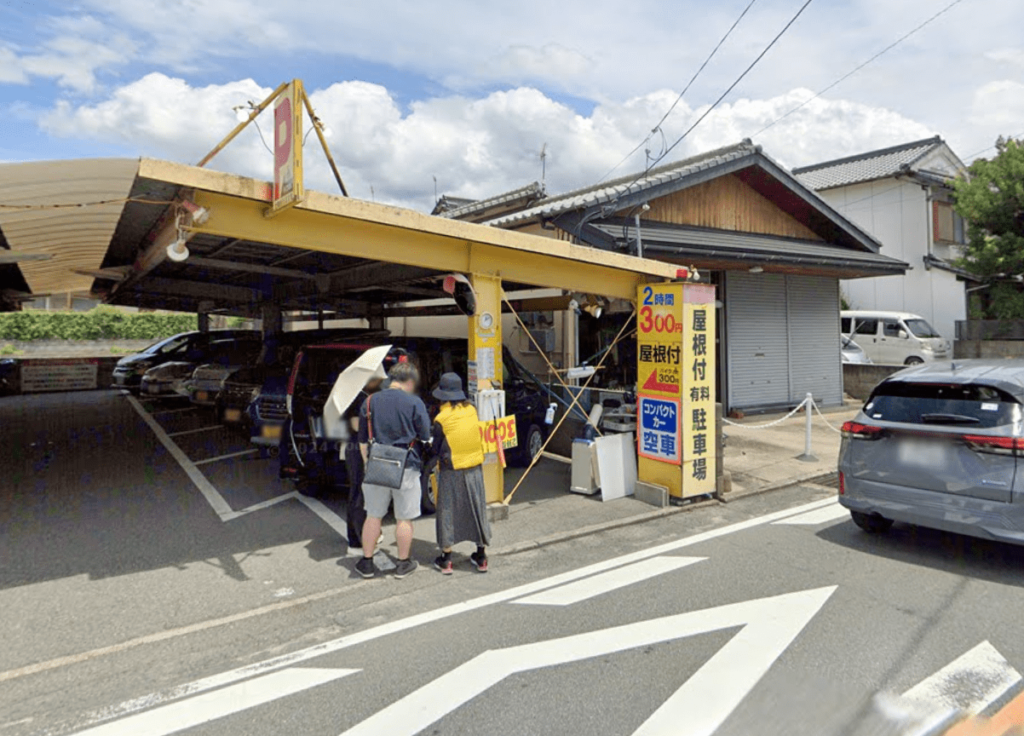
<point x="940" y="445"/>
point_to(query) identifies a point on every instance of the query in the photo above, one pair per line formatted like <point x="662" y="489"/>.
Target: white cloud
<point x="1013" y="56"/>
<point x="475" y="147"/>
<point x="998" y="108"/>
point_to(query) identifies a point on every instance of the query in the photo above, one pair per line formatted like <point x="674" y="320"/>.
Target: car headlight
<point x="928" y="348"/>
<point x="142" y="366"/>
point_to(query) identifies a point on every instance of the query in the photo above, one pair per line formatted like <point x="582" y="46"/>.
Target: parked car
<point x="169" y="379"/>
<point x="940" y="445"/>
<point x="187" y="347"/>
<point x="207" y="380"/>
<point x="8" y="373"/>
<point x="270" y="370"/>
<point x="852" y="352"/>
<point x="895" y="338"/>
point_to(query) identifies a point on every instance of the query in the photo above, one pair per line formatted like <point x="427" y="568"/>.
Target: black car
<point x="186" y="347"/>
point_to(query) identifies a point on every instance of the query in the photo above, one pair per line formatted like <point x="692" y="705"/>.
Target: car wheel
<point x="426" y="497"/>
<point x="871" y="523"/>
<point x="913" y="360"/>
<point x="528" y="448"/>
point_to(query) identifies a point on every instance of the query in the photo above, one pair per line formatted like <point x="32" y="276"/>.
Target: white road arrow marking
<point x="970" y="683"/>
<point x="696" y="709"/>
<point x="219" y="703"/>
<point x="609" y="581"/>
<point x="832" y="512"/>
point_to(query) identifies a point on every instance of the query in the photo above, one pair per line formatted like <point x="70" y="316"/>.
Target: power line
<point x="739" y="79"/>
<point x="857" y="68"/>
<point x="679" y="98"/>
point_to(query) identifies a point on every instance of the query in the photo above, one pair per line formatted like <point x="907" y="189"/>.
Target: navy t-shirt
<point x="399" y="418"/>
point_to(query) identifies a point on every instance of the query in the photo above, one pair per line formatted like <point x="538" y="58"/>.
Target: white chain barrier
<point x="769" y="424"/>
<point x="827" y="423"/>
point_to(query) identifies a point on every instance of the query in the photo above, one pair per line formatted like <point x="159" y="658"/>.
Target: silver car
<point x="939" y="445"/>
<point x="852" y="352"/>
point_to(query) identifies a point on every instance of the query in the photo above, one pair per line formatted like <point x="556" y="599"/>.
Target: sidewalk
<point x="543" y="511"/>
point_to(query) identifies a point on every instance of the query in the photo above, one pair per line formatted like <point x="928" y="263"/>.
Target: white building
<point x="901" y="195"/>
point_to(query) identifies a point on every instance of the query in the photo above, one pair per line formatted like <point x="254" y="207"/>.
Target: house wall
<point x="727" y="203"/>
<point x="898" y="214"/>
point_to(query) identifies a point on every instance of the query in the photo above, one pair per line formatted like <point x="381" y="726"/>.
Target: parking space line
<point x="326" y="515"/>
<point x="263" y="505"/>
<point x="226" y="457"/>
<point x="212" y="496"/>
<point x="195" y="431"/>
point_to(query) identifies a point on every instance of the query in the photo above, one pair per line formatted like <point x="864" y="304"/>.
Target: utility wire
<point x="857" y="68"/>
<point x="679" y="98"/>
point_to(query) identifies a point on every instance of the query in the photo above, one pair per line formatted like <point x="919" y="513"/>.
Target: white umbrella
<point x="367" y="366"/>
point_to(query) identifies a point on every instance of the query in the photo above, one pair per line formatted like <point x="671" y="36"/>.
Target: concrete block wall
<point x="859" y="380"/>
<point x="988" y="349"/>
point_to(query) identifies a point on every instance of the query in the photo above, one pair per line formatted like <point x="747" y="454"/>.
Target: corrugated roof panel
<point x="77" y="237"/>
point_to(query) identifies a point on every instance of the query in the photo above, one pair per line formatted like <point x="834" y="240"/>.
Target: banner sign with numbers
<point x="676" y="438"/>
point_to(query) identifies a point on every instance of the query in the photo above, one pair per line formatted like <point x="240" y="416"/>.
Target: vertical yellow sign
<point x="700" y="436"/>
<point x="288" y="187"/>
<point x="676" y="435"/>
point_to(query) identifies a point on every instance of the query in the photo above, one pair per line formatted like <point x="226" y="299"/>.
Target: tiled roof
<point x="609" y="191"/>
<point x="447" y="203"/>
<point x="529" y="192"/>
<point x="868" y="166"/>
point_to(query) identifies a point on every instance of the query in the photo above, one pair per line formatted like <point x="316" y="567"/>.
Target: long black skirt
<point x="462" y="508"/>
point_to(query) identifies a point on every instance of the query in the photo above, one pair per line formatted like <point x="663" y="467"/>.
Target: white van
<point x="895" y="338"/>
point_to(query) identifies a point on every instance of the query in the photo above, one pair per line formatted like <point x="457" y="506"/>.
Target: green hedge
<point x="101" y="323"/>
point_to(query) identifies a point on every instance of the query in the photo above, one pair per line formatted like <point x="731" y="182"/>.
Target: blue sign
<point x="659" y="429"/>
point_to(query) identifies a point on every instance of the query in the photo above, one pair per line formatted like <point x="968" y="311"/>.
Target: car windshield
<point x="921" y="328"/>
<point x="849" y="344"/>
<point x="974" y="405"/>
<point x="167" y="347"/>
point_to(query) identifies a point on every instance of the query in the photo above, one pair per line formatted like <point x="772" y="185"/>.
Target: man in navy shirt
<point x="399" y="419"/>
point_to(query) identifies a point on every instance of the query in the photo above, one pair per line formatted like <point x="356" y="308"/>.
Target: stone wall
<point x="859" y="380"/>
<point x="72" y="348"/>
<point x="104" y="373"/>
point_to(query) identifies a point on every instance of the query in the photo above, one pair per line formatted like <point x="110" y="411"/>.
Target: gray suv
<point x="940" y="445"/>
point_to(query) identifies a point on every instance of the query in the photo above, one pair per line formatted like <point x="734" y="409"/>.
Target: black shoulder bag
<point x="385" y="464"/>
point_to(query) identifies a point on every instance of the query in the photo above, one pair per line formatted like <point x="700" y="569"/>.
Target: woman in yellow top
<point x="461" y="500"/>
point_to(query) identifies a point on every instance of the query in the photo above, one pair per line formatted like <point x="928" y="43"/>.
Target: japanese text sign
<point x="659" y="429"/>
<point x="503" y="429"/>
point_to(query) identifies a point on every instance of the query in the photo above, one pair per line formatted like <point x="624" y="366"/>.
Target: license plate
<point x="202" y="396"/>
<point x="153" y="389"/>
<point x="271" y="432"/>
<point x="922" y="453"/>
<point x="234" y="415"/>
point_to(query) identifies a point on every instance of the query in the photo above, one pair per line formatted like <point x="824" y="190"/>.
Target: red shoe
<point x="479" y="562"/>
<point x="445" y="566"/>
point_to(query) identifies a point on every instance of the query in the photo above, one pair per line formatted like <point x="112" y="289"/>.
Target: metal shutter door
<point x="815" y="364"/>
<point x="758" y="345"/>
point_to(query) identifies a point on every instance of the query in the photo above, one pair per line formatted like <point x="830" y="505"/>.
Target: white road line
<point x="262" y="505"/>
<point x="134" y="705"/>
<point x="220" y="703"/>
<point x="970" y="683"/>
<point x="697" y="708"/>
<point x="606" y="582"/>
<point x="818" y="516"/>
<point x="195" y="431"/>
<point x="330" y="518"/>
<point x="212" y="496"/>
<point x="226" y="457"/>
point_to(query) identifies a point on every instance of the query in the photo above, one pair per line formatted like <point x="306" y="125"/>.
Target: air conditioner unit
<point x="544" y="337"/>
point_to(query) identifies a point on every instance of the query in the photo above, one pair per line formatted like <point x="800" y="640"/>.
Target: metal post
<point x="808" y="456"/>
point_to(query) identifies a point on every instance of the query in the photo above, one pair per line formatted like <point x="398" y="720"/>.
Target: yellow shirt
<point x="461" y="427"/>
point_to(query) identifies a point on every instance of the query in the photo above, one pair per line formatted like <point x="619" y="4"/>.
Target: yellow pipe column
<point x="485" y="363"/>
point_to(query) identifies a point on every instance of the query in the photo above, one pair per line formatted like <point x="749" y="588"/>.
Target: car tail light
<point x="842" y="484"/>
<point x="858" y="431"/>
<point x="994" y="445"/>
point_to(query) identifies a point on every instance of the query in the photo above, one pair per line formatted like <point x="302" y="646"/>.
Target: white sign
<point x="38" y="376"/>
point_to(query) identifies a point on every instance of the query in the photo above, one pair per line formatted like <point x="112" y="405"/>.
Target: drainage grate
<point x="829" y="480"/>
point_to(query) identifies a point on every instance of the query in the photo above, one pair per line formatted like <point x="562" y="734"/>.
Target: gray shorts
<point x="376" y="499"/>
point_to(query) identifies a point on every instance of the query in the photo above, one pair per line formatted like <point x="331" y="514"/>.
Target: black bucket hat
<point x="450" y="388"/>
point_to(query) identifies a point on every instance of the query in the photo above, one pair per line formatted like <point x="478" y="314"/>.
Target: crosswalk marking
<point x="606" y="582"/>
<point x="830" y="513"/>
<point x="970" y="683"/>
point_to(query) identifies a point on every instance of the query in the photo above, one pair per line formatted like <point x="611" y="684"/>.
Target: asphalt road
<point x="766" y="615"/>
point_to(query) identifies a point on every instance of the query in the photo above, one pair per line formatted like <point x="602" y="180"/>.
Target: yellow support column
<point x="485" y="362"/>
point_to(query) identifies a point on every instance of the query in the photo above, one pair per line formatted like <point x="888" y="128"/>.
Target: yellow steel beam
<point x="469" y="248"/>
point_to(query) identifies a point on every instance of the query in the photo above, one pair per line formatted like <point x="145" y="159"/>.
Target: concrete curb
<point x="649" y="516"/>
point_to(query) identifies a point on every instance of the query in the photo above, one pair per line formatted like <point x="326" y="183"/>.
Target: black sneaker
<point x="445" y="566"/>
<point x="405" y="568"/>
<point x="479" y="561"/>
<point x="365" y="567"/>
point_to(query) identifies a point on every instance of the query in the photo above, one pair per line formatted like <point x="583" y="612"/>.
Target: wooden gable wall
<point x="726" y="203"/>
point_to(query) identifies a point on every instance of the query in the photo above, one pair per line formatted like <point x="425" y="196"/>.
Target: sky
<point x="468" y="93"/>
